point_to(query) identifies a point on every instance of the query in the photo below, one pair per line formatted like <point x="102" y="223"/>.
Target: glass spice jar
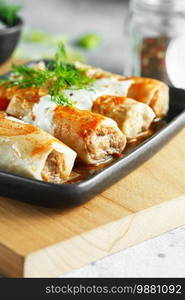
<point x="150" y="27"/>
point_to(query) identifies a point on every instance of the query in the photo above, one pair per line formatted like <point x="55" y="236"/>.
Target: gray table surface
<point x="162" y="256"/>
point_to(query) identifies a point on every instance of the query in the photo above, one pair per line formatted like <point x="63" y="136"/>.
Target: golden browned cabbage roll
<point x="95" y="138"/>
<point x="153" y="92"/>
<point x="29" y="151"/>
<point x="97" y="73"/>
<point x="131" y="116"/>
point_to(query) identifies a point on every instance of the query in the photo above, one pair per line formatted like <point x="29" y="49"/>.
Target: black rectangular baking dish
<point x="53" y="195"/>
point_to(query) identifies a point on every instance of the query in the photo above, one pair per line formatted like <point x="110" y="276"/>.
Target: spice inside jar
<point x="152" y="57"/>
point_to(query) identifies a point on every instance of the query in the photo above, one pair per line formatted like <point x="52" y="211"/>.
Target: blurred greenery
<point x="89" y="41"/>
<point x="9" y="12"/>
<point x="37" y="44"/>
<point x="36" y="36"/>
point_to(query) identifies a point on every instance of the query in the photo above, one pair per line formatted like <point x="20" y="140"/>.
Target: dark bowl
<point x="9" y="38"/>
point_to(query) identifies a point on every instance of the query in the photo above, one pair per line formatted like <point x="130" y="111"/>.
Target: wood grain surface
<point x="43" y="242"/>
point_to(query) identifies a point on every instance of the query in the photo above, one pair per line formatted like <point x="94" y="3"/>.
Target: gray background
<point x="76" y="17"/>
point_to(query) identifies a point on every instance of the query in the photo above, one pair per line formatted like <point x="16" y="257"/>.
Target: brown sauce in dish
<point x="83" y="171"/>
<point x="4" y="103"/>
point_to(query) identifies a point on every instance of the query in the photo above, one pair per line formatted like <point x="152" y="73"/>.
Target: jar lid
<point x="164" y="6"/>
<point x="175" y="62"/>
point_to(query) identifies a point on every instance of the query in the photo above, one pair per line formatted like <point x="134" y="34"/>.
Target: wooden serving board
<point x="42" y="242"/>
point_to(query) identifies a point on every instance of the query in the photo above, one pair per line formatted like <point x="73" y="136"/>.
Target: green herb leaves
<point x="25" y="77"/>
<point x="61" y="99"/>
<point x="55" y="79"/>
<point x="9" y="13"/>
<point x="89" y="41"/>
<point x="67" y="74"/>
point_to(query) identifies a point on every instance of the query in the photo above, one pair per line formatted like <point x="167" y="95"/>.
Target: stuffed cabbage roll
<point x="29" y="151"/>
<point x="94" y="137"/>
<point x="132" y="117"/>
<point x="153" y="92"/>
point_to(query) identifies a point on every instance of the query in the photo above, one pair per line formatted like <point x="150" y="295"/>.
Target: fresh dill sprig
<point x="67" y="74"/>
<point x="57" y="79"/>
<point x="9" y="12"/>
<point x="25" y="77"/>
<point x="60" y="56"/>
<point x="62" y="99"/>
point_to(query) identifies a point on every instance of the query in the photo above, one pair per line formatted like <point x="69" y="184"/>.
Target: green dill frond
<point x="25" y="77"/>
<point x="62" y="99"/>
<point x="60" y="56"/>
<point x="63" y="76"/>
